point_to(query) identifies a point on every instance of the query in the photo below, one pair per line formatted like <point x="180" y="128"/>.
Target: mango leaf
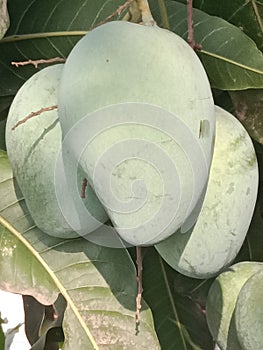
<point x="248" y="106"/>
<point x="231" y="59"/>
<point x="192" y="288"/>
<point x="34" y="317"/>
<point x="247" y="15"/>
<point x="10" y="335"/>
<point x="4" y="18"/>
<point x="2" y="134"/>
<point x="43" y="323"/>
<point x="44" y="30"/>
<point x="98" y="283"/>
<point x="252" y="248"/>
<point x="2" y="334"/>
<point x="179" y="321"/>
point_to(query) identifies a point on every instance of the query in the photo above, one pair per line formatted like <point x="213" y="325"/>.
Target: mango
<point x="213" y="243"/>
<point x="222" y="300"/>
<point x="249" y="313"/>
<point x="33" y="148"/>
<point x="137" y="112"/>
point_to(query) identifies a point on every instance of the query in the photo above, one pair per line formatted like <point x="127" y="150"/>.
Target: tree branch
<point x="191" y="40"/>
<point x="83" y="188"/>
<point x="140" y="288"/>
<point x="119" y="10"/>
<point x="34" y="114"/>
<point x="37" y="62"/>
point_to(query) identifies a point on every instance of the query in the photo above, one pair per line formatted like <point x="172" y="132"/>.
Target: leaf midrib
<point x="43" y="35"/>
<point x="168" y="289"/>
<point x="256" y="11"/>
<point x="225" y="59"/>
<point x="56" y="281"/>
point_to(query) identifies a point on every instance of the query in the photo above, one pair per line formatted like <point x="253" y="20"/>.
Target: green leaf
<point x="247" y="15"/>
<point x="98" y="283"/>
<point x="43" y="30"/>
<point x="252" y="247"/>
<point x="248" y="106"/>
<point x="231" y="59"/>
<point x="4" y="18"/>
<point x="2" y="134"/>
<point x="179" y="321"/>
<point x="193" y="288"/>
<point x="2" y="335"/>
<point x="41" y="327"/>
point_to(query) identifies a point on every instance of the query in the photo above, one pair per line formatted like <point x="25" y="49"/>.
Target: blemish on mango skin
<point x="238" y="141"/>
<point x="231" y="188"/>
<point x="252" y="161"/>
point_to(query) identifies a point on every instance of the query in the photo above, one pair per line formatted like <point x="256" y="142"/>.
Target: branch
<point x="37" y="62"/>
<point x="140" y="288"/>
<point x="83" y="188"/>
<point x="191" y="40"/>
<point x="119" y="10"/>
<point x="34" y="114"/>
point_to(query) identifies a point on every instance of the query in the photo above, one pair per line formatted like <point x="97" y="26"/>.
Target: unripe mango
<point x="33" y="147"/>
<point x="222" y="300"/>
<point x="149" y="94"/>
<point x="249" y="313"/>
<point x="213" y="243"/>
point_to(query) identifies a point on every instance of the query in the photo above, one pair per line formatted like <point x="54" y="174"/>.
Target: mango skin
<point x="249" y="313"/>
<point x="227" y="210"/>
<point x="121" y="63"/>
<point x="32" y="149"/>
<point x="221" y="302"/>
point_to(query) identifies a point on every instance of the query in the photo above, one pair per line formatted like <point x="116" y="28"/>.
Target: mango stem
<point x="144" y="8"/>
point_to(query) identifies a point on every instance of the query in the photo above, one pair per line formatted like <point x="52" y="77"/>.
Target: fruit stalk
<point x="144" y="8"/>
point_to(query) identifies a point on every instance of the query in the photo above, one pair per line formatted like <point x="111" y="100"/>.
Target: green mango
<point x="33" y="148"/>
<point x="141" y="106"/>
<point x="222" y="300"/>
<point x="249" y="313"/>
<point x="213" y="243"/>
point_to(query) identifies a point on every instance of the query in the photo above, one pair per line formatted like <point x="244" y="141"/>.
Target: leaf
<point x="34" y="316"/>
<point x="193" y="288"/>
<point x="4" y="18"/>
<point x="10" y="334"/>
<point x="223" y="100"/>
<point x="254" y="239"/>
<point x="98" y="283"/>
<point x="4" y="106"/>
<point x="46" y="332"/>
<point x="42" y="328"/>
<point x="248" y="106"/>
<point x="252" y="247"/>
<point x="2" y="335"/>
<point x="231" y="59"/>
<point x="247" y="15"/>
<point x="180" y="322"/>
<point x="2" y="134"/>
<point x="43" y="30"/>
